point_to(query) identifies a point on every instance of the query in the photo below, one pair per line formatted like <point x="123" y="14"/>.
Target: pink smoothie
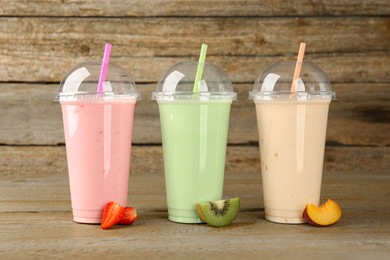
<point x="98" y="145"/>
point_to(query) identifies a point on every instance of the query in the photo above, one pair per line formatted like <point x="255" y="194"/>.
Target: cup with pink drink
<point x="292" y="101"/>
<point x="97" y="102"/>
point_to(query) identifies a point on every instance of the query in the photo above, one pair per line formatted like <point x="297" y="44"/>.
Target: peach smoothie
<point x="292" y="102"/>
<point x="292" y="141"/>
<point x="98" y="136"/>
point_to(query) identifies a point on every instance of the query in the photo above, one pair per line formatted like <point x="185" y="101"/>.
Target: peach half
<point x="324" y="215"/>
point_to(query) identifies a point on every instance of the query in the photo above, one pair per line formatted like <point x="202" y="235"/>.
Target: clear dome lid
<point x="178" y="83"/>
<point x="276" y="80"/>
<point x="82" y="82"/>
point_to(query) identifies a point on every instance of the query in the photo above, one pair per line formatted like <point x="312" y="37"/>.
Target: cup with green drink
<point x="194" y="100"/>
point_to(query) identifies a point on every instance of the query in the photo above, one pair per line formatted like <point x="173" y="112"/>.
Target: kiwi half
<point x="219" y="213"/>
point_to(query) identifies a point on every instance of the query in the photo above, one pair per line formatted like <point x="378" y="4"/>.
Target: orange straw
<point x="298" y="67"/>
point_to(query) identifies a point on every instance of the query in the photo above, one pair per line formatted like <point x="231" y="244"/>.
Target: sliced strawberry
<point x="113" y="212"/>
<point x="129" y="217"/>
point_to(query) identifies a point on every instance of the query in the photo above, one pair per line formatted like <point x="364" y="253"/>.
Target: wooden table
<point x="36" y="219"/>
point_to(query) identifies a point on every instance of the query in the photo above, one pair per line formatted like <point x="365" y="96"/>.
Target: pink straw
<point x="103" y="70"/>
<point x="298" y="67"/>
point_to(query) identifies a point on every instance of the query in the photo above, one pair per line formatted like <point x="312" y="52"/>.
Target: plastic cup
<point x="194" y="129"/>
<point x="292" y="133"/>
<point x="98" y="131"/>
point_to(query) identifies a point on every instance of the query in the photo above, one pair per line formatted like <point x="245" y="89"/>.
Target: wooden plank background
<point x="42" y="40"/>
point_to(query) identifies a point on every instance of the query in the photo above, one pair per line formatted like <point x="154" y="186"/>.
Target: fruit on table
<point x="112" y="213"/>
<point x="324" y="215"/>
<point x="129" y="217"/>
<point x="219" y="213"/>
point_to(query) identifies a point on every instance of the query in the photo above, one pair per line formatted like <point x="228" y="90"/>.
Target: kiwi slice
<point x="219" y="213"/>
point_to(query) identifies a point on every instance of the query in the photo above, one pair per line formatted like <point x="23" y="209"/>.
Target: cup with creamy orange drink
<point x="292" y="126"/>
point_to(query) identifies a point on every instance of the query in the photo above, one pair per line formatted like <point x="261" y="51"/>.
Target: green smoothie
<point x="194" y="136"/>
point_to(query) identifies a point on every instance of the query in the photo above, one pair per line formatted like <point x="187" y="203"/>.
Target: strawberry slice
<point x="129" y="217"/>
<point x="113" y="212"/>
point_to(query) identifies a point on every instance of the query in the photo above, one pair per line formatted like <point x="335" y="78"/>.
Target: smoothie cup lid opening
<point x="275" y="83"/>
<point x="82" y="81"/>
<point x="178" y="84"/>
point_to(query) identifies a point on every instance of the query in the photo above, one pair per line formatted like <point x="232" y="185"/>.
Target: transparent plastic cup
<point x="292" y="133"/>
<point x="98" y="131"/>
<point x="194" y="129"/>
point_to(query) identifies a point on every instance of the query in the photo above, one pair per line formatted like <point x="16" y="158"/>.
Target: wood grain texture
<point x="42" y="40"/>
<point x="359" y="116"/>
<point x="22" y="162"/>
<point x="24" y="169"/>
<point x="193" y="8"/>
<point x="351" y="49"/>
<point x="360" y="232"/>
<point x="36" y="218"/>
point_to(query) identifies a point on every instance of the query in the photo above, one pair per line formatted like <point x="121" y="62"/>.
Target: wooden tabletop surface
<point x="36" y="219"/>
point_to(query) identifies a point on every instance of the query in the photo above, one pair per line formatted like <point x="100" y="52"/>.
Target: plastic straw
<point x="199" y="71"/>
<point x="298" y="66"/>
<point x="103" y="70"/>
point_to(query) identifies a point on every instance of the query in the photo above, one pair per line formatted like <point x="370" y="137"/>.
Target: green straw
<point x="199" y="71"/>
